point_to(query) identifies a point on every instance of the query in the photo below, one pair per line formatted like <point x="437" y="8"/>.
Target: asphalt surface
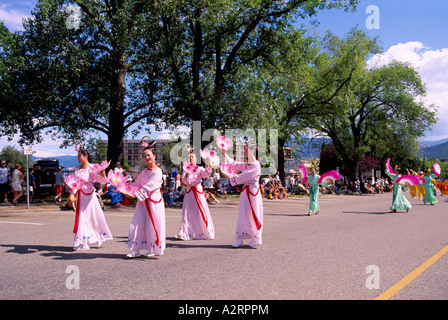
<point x="326" y="256"/>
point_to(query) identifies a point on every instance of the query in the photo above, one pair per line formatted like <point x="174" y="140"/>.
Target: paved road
<point x="319" y="257"/>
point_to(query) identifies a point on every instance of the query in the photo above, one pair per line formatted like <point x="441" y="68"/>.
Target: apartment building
<point x="133" y="153"/>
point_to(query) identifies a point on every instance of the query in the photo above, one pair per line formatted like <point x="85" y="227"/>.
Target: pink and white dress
<point x="90" y="224"/>
<point x="147" y="229"/>
<point x="196" y="221"/>
<point x="250" y="218"/>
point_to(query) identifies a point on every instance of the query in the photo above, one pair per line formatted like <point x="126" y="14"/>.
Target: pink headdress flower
<point x="146" y="142"/>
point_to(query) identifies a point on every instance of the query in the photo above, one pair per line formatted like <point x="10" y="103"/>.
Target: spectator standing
<point x="292" y="183"/>
<point x="4" y="181"/>
<point x="59" y="185"/>
<point x="16" y="182"/>
<point x="37" y="180"/>
<point x="32" y="184"/>
<point x="119" y="169"/>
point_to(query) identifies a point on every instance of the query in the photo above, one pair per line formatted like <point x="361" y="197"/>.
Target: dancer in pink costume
<point x="196" y="221"/>
<point x="250" y="218"/>
<point x="90" y="224"/>
<point x="147" y="229"/>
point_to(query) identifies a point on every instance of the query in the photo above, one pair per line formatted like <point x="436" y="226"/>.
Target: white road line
<point x="16" y="222"/>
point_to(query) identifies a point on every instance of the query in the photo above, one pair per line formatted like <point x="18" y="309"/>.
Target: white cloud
<point x="12" y="18"/>
<point x="48" y="147"/>
<point x="433" y="68"/>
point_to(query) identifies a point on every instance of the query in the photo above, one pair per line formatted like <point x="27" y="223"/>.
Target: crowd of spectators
<point x="215" y="187"/>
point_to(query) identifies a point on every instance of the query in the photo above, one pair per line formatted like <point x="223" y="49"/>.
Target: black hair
<point x="85" y="152"/>
<point x="150" y="145"/>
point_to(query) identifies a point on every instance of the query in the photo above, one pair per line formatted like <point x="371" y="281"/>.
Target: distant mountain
<point x="436" y="151"/>
<point x="425" y="143"/>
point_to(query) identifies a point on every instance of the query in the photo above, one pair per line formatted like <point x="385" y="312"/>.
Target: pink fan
<point x="214" y="161"/>
<point x="420" y="180"/>
<point x="408" y="179"/>
<point x="115" y="178"/>
<point x="190" y="167"/>
<point x="304" y="172"/>
<point x="97" y="168"/>
<point x="73" y="183"/>
<point x="437" y="170"/>
<point x="207" y="154"/>
<point x="126" y="188"/>
<point x="228" y="170"/>
<point x="389" y="168"/>
<point x="224" y="143"/>
<point x="330" y="175"/>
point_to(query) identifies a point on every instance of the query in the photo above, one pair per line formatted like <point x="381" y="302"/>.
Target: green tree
<point x="303" y="74"/>
<point x="11" y="60"/>
<point x="133" y="60"/>
<point x="98" y="150"/>
<point x="210" y="47"/>
<point x="12" y="155"/>
<point x="74" y="81"/>
<point x="380" y="110"/>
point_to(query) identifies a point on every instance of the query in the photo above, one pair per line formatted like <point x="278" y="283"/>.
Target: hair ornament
<point x="82" y="146"/>
<point x="146" y="142"/>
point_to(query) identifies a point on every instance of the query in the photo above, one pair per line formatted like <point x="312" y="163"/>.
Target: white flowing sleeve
<point x="146" y="188"/>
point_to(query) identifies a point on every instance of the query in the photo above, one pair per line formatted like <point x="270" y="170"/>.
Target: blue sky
<point x="409" y="30"/>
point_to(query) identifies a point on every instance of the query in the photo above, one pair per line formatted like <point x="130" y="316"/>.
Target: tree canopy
<point x="230" y="64"/>
<point x="130" y="62"/>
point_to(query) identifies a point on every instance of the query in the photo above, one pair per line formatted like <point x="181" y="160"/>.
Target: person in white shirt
<point x="16" y="183"/>
<point x="4" y="181"/>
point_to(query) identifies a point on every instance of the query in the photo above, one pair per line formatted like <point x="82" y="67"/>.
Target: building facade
<point x="133" y="153"/>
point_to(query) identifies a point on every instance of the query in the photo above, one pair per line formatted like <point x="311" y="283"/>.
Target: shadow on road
<point x="200" y="244"/>
<point x="367" y="212"/>
<point x="287" y="215"/>
<point x="61" y="253"/>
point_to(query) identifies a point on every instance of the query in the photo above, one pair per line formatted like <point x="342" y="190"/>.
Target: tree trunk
<point x="353" y="168"/>
<point x="281" y="161"/>
<point x="115" y="145"/>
